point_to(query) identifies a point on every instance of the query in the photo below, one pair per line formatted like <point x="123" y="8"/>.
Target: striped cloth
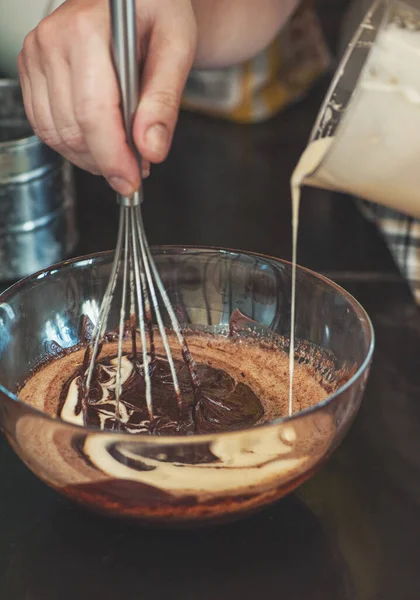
<point x="402" y="236"/>
<point x="400" y="232"/>
<point x="257" y="89"/>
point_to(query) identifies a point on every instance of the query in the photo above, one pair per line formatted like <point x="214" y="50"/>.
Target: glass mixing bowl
<point x="188" y="479"/>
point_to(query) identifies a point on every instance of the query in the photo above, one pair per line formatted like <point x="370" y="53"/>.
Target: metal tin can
<point x="37" y="213"/>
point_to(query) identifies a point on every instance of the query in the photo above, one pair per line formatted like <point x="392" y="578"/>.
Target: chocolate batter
<point x="238" y="380"/>
<point x="217" y="404"/>
<point x="243" y="372"/>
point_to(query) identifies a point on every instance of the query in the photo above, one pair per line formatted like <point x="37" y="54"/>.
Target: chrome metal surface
<point x="124" y="45"/>
<point x="37" y="222"/>
<point x="22" y="155"/>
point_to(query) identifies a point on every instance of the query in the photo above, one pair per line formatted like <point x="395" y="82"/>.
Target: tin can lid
<point x="21" y="152"/>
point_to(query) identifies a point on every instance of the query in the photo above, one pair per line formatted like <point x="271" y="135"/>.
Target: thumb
<point x="169" y="58"/>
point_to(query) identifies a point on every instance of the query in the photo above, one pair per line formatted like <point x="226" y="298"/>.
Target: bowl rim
<point x="164" y="440"/>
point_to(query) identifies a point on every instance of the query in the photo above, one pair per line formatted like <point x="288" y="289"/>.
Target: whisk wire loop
<point x="124" y="215"/>
<point x="102" y="322"/>
<point x="139" y="287"/>
<point x="148" y="265"/>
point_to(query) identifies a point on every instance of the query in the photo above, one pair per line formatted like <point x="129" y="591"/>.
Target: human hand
<point x="71" y="92"/>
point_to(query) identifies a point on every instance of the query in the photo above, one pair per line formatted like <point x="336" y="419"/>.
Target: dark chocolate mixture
<point x="218" y="404"/>
<point x="210" y="399"/>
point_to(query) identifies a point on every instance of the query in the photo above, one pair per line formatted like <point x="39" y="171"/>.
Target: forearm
<point x="231" y="31"/>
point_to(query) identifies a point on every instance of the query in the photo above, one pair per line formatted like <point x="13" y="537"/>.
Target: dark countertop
<point x="353" y="530"/>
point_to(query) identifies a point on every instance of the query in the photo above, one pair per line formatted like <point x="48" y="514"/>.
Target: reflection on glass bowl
<point x="183" y="479"/>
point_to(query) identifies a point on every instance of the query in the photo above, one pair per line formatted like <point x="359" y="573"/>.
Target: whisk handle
<point x="124" y="48"/>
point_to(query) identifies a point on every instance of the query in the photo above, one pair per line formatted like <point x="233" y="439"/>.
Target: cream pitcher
<point x="366" y="140"/>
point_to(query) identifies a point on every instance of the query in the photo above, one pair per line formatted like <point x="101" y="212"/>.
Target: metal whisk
<point x="141" y="283"/>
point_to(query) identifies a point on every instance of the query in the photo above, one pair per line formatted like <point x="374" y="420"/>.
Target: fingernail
<point x="122" y="186"/>
<point x="157" y="137"/>
<point x="145" y="171"/>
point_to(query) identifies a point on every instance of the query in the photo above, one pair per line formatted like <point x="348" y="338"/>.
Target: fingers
<point x="96" y="102"/>
<point x="168" y="62"/>
<point x="71" y="92"/>
<point x="38" y="88"/>
<point x="72" y="143"/>
<point x="72" y="98"/>
<point x="26" y="90"/>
